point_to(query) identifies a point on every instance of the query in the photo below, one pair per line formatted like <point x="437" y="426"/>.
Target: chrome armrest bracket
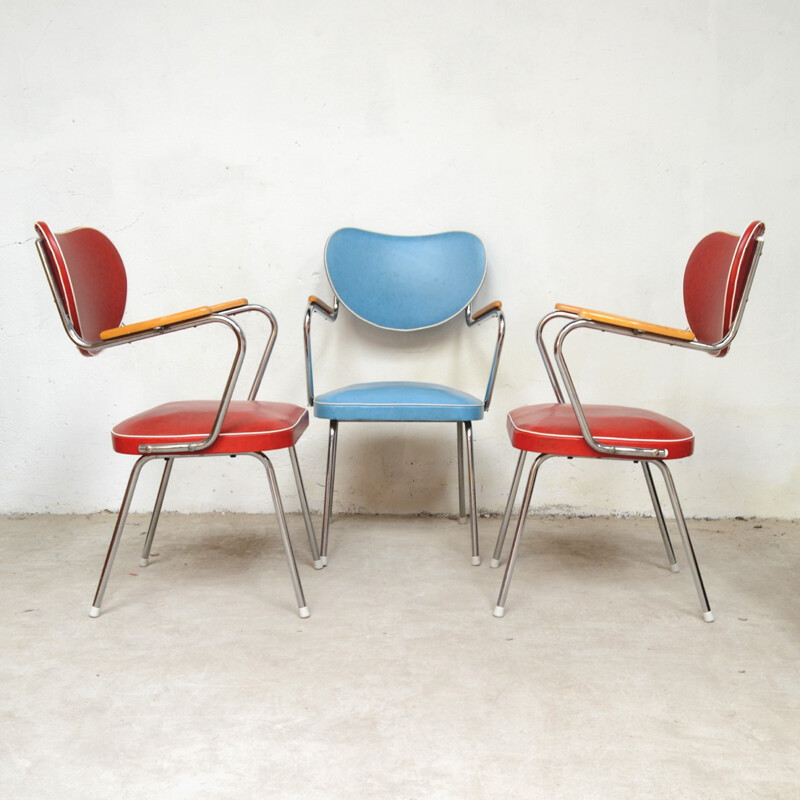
<point x="273" y="335"/>
<point x="494" y="309"/>
<point x="230" y="385"/>
<point x="572" y="394"/>
<point x="328" y="312"/>
<point x="227" y="395"/>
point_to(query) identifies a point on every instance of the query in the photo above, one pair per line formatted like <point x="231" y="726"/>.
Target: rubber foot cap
<point x="495" y="563"/>
<point x="498" y="611"/>
<point x="318" y="564"/>
<point x="324" y="560"/>
<point x="94" y="611"/>
<point x="304" y="612"/>
<point x="476" y="561"/>
<point x="462" y="520"/>
<point x="143" y="562"/>
<point x="675" y="567"/>
<point x="708" y="616"/>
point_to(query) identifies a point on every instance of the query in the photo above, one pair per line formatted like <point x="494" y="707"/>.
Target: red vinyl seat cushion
<point x="250" y="426"/>
<point x="553" y="428"/>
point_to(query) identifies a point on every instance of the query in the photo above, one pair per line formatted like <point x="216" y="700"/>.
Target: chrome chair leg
<point x="708" y="616"/>
<point x="301" y="491"/>
<point x="462" y="512"/>
<point x="284" y="530"/>
<point x="473" y="500"/>
<point x="118" y="528"/>
<point x="144" y="560"/>
<point x="500" y="608"/>
<point x="673" y="563"/>
<point x="501" y="536"/>
<point x="330" y="473"/>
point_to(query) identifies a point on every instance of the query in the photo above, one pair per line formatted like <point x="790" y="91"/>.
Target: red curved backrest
<point x="89" y="275"/>
<point x="715" y="279"/>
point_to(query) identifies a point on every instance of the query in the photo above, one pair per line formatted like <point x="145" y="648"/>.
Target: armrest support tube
<point x="273" y="335"/>
<point x="498" y="349"/>
<point x="494" y="309"/>
<point x="227" y="395"/>
<point x="640" y="452"/>
<point x="328" y="312"/>
<point x="548" y="364"/>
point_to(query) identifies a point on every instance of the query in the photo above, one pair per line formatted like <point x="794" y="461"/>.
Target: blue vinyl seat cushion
<point x="406" y="401"/>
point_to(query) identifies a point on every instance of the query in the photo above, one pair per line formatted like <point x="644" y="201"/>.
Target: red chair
<point x="716" y="284"/>
<point x="89" y="286"/>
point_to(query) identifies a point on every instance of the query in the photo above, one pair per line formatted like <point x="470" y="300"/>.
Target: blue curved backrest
<point x="405" y="282"/>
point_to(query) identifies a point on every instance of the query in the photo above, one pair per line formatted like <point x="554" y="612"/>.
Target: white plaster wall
<point x="590" y="145"/>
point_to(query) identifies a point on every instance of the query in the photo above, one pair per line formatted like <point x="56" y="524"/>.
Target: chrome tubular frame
<point x="298" y="479"/>
<point x="301" y="491"/>
<point x="523" y="514"/>
<point x="463" y="429"/>
<point x="464" y="433"/>
<point x="126" y="504"/>
<point x="662" y="525"/>
<point x="473" y="500"/>
<point x="144" y="559"/>
<point x="575" y="322"/>
<point x="501" y="536"/>
<point x="608" y="450"/>
<point x="284" y="531"/>
<point x="115" y="537"/>
<point x="273" y="335"/>
<point x="328" y="312"/>
<point x="105" y="344"/>
<point x="499" y="610"/>
<point x="492" y="310"/>
<point x="227" y="396"/>
<point x="330" y="474"/>
<point x="645" y="455"/>
<point x="708" y="616"/>
<point x="222" y="317"/>
<point x="462" y="512"/>
<point x="540" y="344"/>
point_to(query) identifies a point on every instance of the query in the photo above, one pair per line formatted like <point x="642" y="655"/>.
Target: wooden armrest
<point x="321" y="304"/>
<point x="626" y="322"/>
<point x="488" y="309"/>
<point x="228" y="305"/>
<point x="157" y="322"/>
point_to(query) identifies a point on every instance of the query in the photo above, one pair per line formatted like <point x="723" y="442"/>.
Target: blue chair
<point x="404" y="283"/>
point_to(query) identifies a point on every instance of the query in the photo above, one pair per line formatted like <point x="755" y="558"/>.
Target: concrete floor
<point x="200" y="681"/>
